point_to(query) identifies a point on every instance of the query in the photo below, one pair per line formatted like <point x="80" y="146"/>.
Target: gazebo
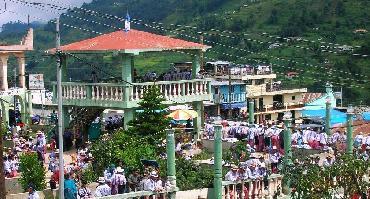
<point x="125" y="45"/>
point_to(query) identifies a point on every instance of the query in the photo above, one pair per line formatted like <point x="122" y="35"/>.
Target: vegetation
<point x="143" y="140"/>
<point x="346" y="175"/>
<point x="330" y="21"/>
<point x="32" y="172"/>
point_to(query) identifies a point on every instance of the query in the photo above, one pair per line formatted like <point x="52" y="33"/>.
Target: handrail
<point x="138" y="194"/>
<point x="271" y="177"/>
<point x="132" y="84"/>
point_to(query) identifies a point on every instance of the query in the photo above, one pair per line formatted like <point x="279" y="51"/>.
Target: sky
<point x="35" y="14"/>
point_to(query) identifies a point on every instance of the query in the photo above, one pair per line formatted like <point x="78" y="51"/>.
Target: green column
<point x="29" y="108"/>
<point x="327" y="118"/>
<point x="251" y="111"/>
<point x="349" y="133"/>
<point x="5" y="113"/>
<point x="128" y="116"/>
<point x="197" y="122"/>
<point x="126" y="62"/>
<point x="171" y="164"/>
<point x="24" y="110"/>
<point x="217" y="183"/>
<point x="287" y="152"/>
<point x="196" y="65"/>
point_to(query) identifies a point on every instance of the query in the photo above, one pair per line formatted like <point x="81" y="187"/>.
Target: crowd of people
<point x="262" y="137"/>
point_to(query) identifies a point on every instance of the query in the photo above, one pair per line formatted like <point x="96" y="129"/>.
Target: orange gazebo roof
<point x="133" y="41"/>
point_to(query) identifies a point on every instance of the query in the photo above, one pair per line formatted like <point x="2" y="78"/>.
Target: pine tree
<point x="151" y="120"/>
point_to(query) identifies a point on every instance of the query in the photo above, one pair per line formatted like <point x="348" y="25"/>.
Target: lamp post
<point x="171" y="165"/>
<point x="251" y="111"/>
<point x="217" y="183"/>
<point x="327" y="116"/>
<point x="287" y="118"/>
<point x="350" y="113"/>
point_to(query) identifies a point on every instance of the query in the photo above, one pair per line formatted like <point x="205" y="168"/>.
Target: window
<point x="260" y="81"/>
<point x="232" y="88"/>
<point x="293" y="97"/>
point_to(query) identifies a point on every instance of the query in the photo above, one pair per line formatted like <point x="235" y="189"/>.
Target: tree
<point x="151" y="121"/>
<point x="312" y="181"/>
<point x="32" y="172"/>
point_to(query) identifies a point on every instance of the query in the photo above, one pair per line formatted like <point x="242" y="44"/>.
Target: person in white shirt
<point x="328" y="161"/>
<point x="119" y="181"/>
<point x="7" y="166"/>
<point x="32" y="194"/>
<point x="365" y="142"/>
<point x="274" y="159"/>
<point x="102" y="189"/>
<point x="153" y="183"/>
<point x="295" y="137"/>
<point x="233" y="174"/>
<point x="323" y="137"/>
<point x="358" y="140"/>
<point x="84" y="192"/>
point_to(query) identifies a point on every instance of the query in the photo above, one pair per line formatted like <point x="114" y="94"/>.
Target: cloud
<point x="35" y="14"/>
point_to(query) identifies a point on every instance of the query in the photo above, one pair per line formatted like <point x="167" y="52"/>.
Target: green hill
<point x="249" y="28"/>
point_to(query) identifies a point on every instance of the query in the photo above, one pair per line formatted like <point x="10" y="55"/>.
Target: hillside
<point x="250" y="27"/>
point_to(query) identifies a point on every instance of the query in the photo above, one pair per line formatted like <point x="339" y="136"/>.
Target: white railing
<point x="253" y="188"/>
<point x="234" y="98"/>
<point x="12" y="92"/>
<point x="173" y="89"/>
<point x="117" y="92"/>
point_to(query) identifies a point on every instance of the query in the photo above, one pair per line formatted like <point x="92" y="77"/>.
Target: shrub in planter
<point x="32" y="172"/>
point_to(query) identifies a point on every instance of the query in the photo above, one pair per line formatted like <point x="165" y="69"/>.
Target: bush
<point x="32" y="172"/>
<point x="193" y="176"/>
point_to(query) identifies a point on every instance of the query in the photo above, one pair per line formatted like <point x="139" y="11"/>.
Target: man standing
<point x="232" y="175"/>
<point x="134" y="180"/>
<point x="102" y="189"/>
<point x="153" y="183"/>
<point x="32" y="194"/>
<point x="118" y="182"/>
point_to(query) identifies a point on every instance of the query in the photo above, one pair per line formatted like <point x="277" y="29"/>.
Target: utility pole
<point x="2" y="175"/>
<point x="201" y="38"/>
<point x="60" y="109"/>
<point x="217" y="179"/>
<point x="350" y="113"/>
<point x="230" y="112"/>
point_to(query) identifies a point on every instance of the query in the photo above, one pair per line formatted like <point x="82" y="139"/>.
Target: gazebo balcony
<point x="129" y="95"/>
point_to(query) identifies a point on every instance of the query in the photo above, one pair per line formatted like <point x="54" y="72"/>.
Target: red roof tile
<point x="130" y="42"/>
<point x="309" y="97"/>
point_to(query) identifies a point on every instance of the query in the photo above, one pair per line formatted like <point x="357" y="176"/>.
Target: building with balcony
<point x="124" y="46"/>
<point x="254" y="83"/>
<point x="16" y="93"/>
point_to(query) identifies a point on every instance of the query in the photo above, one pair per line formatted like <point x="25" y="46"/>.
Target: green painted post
<point x="89" y="91"/>
<point x="349" y="133"/>
<point x="29" y="109"/>
<point x="251" y="111"/>
<point x="287" y="149"/>
<point x="171" y="164"/>
<point x="217" y="183"/>
<point x="197" y="122"/>
<point x="327" y="117"/>
<point x="196" y="65"/>
<point x="128" y="116"/>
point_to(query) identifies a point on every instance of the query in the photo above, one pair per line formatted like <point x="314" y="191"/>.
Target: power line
<point x="92" y="31"/>
<point x="107" y="16"/>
